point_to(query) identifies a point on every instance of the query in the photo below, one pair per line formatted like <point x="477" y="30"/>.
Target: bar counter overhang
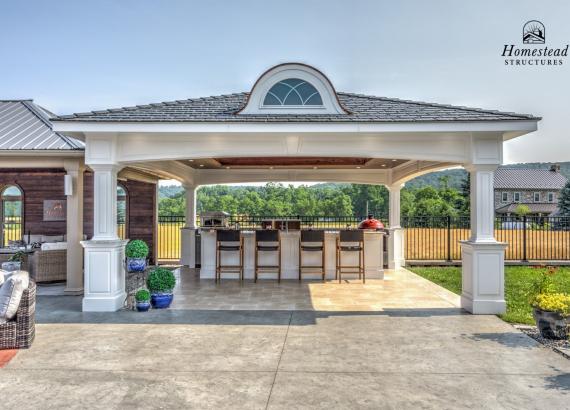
<point x="373" y="256"/>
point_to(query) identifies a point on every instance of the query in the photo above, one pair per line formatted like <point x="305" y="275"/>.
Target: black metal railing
<point x="307" y="221"/>
<point x="11" y="230"/>
<point x="433" y="238"/>
<point x="169" y="236"/>
<point x="528" y="238"/>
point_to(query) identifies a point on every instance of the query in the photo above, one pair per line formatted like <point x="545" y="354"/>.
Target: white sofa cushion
<point x="10" y="296"/>
<point x="33" y="239"/>
<point x="55" y="246"/>
<point x="52" y="238"/>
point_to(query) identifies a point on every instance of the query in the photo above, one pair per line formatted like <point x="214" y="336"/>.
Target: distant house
<point x="538" y="189"/>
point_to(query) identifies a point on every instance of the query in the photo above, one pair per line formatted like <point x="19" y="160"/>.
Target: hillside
<point x="456" y="177"/>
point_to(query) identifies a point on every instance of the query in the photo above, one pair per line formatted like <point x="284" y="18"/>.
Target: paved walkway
<point x="393" y="357"/>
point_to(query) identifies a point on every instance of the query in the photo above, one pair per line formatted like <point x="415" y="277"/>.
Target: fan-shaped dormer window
<point x="293" y="92"/>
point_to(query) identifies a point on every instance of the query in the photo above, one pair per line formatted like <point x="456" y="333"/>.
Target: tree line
<point x="321" y="199"/>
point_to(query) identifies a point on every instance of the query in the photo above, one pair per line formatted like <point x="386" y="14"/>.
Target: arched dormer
<point x="293" y="88"/>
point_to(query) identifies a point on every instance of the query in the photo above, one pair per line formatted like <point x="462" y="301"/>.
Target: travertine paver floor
<point x="399" y="289"/>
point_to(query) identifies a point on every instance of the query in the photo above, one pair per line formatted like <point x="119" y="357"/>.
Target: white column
<point x="105" y="253"/>
<point x="74" y="233"/>
<point x="396" y="239"/>
<point x="188" y="233"/>
<point x="483" y="258"/>
<point x="191" y="206"/>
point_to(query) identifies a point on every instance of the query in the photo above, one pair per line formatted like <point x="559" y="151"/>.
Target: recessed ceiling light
<point x="190" y="160"/>
<point x="394" y="160"/>
<point x="227" y="167"/>
<point x="357" y="167"/>
<point x="383" y="165"/>
<point x="201" y="165"/>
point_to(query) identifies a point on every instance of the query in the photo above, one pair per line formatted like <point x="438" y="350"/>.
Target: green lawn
<point x="517" y="281"/>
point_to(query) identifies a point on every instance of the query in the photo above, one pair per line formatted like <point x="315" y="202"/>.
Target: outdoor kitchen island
<point x="373" y="256"/>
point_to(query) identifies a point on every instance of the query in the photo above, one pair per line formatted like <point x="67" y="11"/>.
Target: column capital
<point x="73" y="165"/>
<point x="395" y="186"/>
<point x="481" y="167"/>
<point x="106" y="167"/>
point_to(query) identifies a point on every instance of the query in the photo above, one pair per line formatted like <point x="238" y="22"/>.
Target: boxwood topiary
<point x="160" y="280"/>
<point x="142" y="295"/>
<point x="136" y="249"/>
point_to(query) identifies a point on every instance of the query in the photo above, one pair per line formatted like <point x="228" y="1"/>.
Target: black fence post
<point x="449" y="238"/>
<point x="524" y="259"/>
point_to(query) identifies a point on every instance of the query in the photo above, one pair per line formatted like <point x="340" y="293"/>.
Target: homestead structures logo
<point x="534" y="35"/>
<point x="533" y="32"/>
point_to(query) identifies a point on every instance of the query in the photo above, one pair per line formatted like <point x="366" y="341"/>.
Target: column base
<point x="483" y="307"/>
<point x="396" y="258"/>
<point x="104" y="275"/>
<point x="483" y="277"/>
<point x="73" y="291"/>
<point x="188" y="247"/>
<point x="104" y="303"/>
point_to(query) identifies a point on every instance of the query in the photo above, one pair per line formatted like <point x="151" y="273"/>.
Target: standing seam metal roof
<point x="26" y="126"/>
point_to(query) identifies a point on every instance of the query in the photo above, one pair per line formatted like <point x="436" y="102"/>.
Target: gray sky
<point x="73" y="56"/>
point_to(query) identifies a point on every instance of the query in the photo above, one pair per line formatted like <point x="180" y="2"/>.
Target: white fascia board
<point x="508" y="127"/>
<point x="42" y="153"/>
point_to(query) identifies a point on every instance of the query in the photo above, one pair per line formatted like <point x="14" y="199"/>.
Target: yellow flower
<point x="553" y="302"/>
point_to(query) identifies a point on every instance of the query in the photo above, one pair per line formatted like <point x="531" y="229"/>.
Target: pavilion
<point x="294" y="126"/>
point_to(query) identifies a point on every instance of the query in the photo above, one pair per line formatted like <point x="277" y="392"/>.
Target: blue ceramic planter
<point x="143" y="306"/>
<point x="136" y="264"/>
<point x="161" y="300"/>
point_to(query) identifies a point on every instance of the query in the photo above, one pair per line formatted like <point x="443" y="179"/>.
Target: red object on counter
<point x="371" y="223"/>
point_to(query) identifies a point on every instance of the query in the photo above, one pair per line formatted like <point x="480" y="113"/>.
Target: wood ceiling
<point x="294" y="162"/>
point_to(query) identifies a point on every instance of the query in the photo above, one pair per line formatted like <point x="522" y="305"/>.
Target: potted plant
<point x="550" y="312"/>
<point x="142" y="298"/>
<point x="136" y="252"/>
<point x="15" y="262"/>
<point x="549" y="309"/>
<point x="160" y="283"/>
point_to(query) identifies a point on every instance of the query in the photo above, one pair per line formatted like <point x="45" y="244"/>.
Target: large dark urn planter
<point x="161" y="300"/>
<point x="552" y="325"/>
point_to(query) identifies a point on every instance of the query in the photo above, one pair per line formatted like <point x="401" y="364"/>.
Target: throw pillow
<point x="10" y="297"/>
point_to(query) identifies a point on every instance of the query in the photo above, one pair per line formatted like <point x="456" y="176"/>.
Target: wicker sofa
<point x="48" y="265"/>
<point x="19" y="333"/>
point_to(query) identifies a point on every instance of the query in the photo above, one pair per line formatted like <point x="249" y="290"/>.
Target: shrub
<point x="18" y="257"/>
<point x="136" y="249"/>
<point x="553" y="302"/>
<point x="142" y="295"/>
<point x="160" y="280"/>
<point x="543" y="283"/>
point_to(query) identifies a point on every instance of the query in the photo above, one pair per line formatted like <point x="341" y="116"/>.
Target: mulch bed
<point x="561" y="347"/>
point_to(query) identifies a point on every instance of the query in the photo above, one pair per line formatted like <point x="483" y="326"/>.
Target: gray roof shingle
<point x="535" y="208"/>
<point x="362" y="108"/>
<point x="528" y="178"/>
<point x="26" y="126"/>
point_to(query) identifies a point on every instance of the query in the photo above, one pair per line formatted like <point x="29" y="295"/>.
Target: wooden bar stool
<point x="228" y="240"/>
<point x="267" y="240"/>
<point x="350" y="241"/>
<point x="312" y="241"/>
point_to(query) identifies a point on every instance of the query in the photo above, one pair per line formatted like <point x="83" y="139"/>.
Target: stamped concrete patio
<point x="398" y="344"/>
